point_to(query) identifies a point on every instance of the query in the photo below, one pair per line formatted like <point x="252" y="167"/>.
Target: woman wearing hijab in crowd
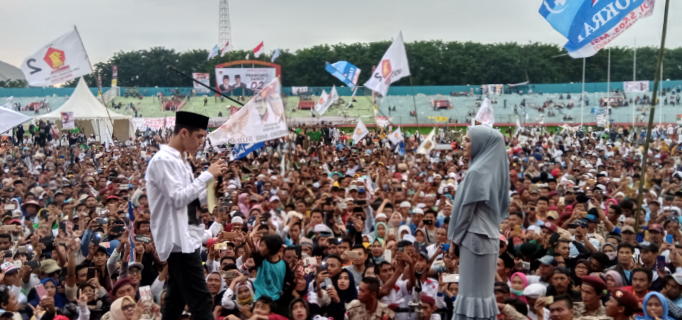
<point x="395" y="222"/>
<point x="243" y="203"/>
<point x="377" y="250"/>
<point x="403" y="230"/>
<point x="50" y="286"/>
<point x="123" y="309"/>
<point x="582" y="268"/>
<point x="518" y="283"/>
<point x="343" y="293"/>
<point x="613" y="280"/>
<point x="480" y="206"/>
<point x="380" y="231"/>
<point x="298" y="309"/>
<point x="655" y="307"/>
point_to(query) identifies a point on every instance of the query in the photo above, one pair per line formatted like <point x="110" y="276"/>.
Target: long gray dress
<point x="479" y="206"/>
<point x="478" y="254"/>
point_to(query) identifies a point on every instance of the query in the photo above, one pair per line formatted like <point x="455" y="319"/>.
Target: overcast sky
<point x="108" y="26"/>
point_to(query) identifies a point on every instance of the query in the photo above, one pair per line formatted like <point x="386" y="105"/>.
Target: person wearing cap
<point x="175" y="199"/>
<point x="561" y="284"/>
<point x="592" y="290"/>
<point x="673" y="290"/>
<point x="622" y="305"/>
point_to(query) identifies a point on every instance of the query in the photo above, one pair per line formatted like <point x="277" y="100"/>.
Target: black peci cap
<point x="191" y="119"/>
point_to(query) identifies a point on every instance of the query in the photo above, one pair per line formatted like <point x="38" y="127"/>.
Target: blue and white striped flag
<point x="213" y="53"/>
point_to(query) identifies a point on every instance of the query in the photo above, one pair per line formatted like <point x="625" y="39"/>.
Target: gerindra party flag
<point x="590" y="25"/>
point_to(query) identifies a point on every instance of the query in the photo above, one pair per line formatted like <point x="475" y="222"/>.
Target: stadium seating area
<point x="400" y="108"/>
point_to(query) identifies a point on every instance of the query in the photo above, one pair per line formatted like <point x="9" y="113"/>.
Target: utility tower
<point x="224" y="29"/>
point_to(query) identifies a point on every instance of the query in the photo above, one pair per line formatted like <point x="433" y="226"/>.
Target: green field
<point x="152" y="109"/>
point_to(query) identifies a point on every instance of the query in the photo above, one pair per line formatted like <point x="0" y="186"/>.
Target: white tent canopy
<point x="90" y="114"/>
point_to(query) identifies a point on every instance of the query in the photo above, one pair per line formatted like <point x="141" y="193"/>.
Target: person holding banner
<point x="175" y="200"/>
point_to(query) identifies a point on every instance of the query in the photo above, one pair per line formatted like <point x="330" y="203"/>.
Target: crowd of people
<point x="317" y="225"/>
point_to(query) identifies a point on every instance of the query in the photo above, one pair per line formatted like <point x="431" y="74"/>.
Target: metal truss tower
<point x="224" y="29"/>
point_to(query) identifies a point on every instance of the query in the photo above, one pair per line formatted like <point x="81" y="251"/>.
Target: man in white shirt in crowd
<point x="175" y="200"/>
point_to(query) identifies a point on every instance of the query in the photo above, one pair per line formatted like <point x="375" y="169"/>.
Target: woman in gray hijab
<point x="479" y="207"/>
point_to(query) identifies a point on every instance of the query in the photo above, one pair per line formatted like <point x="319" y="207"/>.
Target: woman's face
<point x="395" y="220"/>
<point x="300" y="284"/>
<point x="243" y="293"/>
<point x="381" y="231"/>
<point x="89" y="292"/>
<point x="467" y="146"/>
<point x="128" y="308"/>
<point x="654" y="307"/>
<point x="517" y="283"/>
<point x="370" y="273"/>
<point x="51" y="289"/>
<point x="581" y="270"/>
<point x="343" y="281"/>
<point x="454" y="288"/>
<point x="298" y="311"/>
<point x="610" y="282"/>
<point x="377" y="250"/>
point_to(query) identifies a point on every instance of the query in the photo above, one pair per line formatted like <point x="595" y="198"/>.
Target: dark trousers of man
<point x="187" y="286"/>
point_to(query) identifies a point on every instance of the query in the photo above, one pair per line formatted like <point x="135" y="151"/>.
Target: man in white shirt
<point x="175" y="199"/>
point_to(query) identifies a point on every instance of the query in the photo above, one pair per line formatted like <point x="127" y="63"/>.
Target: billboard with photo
<point x="243" y="80"/>
<point x="636" y="86"/>
<point x="204" y="78"/>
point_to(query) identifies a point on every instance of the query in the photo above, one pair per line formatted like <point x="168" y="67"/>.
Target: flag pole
<point x="414" y="101"/>
<point x="657" y="79"/>
<point x="582" y="97"/>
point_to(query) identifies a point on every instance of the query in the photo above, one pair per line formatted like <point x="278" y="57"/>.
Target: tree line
<point x="431" y="63"/>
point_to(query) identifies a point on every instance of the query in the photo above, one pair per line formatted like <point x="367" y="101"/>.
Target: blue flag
<point x="275" y="56"/>
<point x="344" y="71"/>
<point x="590" y="25"/>
<point x="243" y="149"/>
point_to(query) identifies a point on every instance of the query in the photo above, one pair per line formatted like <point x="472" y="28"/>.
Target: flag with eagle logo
<point x="392" y="67"/>
<point x="590" y="25"/>
<point x="359" y="132"/>
<point x="428" y="144"/>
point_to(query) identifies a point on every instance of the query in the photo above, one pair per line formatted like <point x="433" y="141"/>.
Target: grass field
<point x="152" y="109"/>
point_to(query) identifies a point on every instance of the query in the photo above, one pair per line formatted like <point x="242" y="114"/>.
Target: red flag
<point x="258" y="50"/>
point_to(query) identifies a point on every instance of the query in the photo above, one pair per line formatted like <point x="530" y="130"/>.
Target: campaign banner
<point x="68" y="120"/>
<point x="299" y="90"/>
<point x="216" y="122"/>
<point x="114" y="76"/>
<point x="636" y="86"/>
<point x="243" y="80"/>
<point x="59" y="61"/>
<point x="261" y="119"/>
<point x="153" y="123"/>
<point x="204" y="78"/>
<point x="326" y="100"/>
<point x="492" y="89"/>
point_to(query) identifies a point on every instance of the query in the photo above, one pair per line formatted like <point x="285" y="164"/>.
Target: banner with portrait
<point x="204" y="78"/>
<point x="636" y="86"/>
<point x="68" y="120"/>
<point x="243" y="81"/>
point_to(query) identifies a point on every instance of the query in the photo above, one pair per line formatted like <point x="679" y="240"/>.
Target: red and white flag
<point x="258" y="50"/>
<point x="227" y="48"/>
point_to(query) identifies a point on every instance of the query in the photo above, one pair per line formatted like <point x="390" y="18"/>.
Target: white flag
<point x="395" y="136"/>
<point x="428" y="144"/>
<point x="10" y="119"/>
<point x="485" y="114"/>
<point x="261" y="119"/>
<point x="393" y="67"/>
<point x="518" y="125"/>
<point x="359" y="132"/>
<point x="334" y="95"/>
<point x="9" y="104"/>
<point x="247" y="56"/>
<point x="323" y="103"/>
<point x="227" y="48"/>
<point x="61" y="60"/>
